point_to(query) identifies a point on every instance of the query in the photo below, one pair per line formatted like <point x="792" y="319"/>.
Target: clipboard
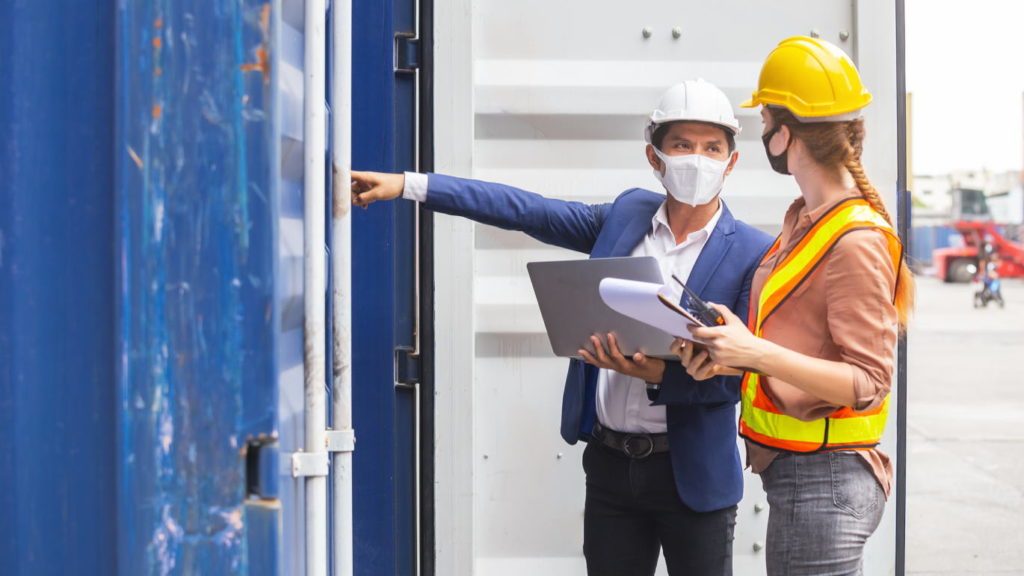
<point x="692" y="307"/>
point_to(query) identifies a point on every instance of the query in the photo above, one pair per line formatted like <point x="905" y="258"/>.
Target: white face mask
<point x="692" y="179"/>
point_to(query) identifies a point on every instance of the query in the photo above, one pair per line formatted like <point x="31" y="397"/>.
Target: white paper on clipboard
<point x="640" y="300"/>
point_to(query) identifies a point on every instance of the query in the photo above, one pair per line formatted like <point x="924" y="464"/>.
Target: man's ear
<point x="652" y="158"/>
<point x="732" y="161"/>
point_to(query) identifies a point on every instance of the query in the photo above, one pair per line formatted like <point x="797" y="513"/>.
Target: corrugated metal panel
<point x="195" y="206"/>
<point x="560" y="95"/>
<point x="289" y="90"/>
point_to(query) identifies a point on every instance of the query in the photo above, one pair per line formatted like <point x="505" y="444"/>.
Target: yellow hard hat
<point x="812" y="78"/>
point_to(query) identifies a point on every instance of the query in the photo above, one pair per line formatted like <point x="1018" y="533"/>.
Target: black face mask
<point x="779" y="163"/>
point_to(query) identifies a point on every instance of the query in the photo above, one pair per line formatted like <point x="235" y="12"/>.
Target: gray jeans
<point x="823" y="508"/>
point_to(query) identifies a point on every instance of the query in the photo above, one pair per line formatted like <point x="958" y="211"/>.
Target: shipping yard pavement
<point x="965" y="476"/>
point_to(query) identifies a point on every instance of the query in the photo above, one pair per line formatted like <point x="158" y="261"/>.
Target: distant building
<point x="933" y="201"/>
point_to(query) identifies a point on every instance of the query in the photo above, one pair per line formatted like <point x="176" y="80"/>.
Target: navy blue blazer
<point x="701" y="415"/>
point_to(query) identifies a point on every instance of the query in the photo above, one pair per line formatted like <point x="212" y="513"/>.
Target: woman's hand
<point x="369" y="187"/>
<point x="638" y="366"/>
<point x="697" y="362"/>
<point x="732" y="344"/>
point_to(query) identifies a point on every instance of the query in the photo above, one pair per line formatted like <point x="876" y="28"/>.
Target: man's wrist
<point x="658" y="377"/>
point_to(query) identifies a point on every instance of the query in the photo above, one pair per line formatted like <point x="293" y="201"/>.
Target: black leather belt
<point x="636" y="446"/>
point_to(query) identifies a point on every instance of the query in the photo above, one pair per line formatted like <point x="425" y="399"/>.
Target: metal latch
<point x="407" y="366"/>
<point x="318" y="463"/>
<point x="407" y="52"/>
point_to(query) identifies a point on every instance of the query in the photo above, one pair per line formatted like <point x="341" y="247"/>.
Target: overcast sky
<point x="965" y="69"/>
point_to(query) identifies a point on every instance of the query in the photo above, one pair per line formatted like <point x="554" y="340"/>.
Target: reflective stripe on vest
<point x="845" y="429"/>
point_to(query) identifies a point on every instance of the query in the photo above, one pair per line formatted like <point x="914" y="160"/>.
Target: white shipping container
<point x="552" y="97"/>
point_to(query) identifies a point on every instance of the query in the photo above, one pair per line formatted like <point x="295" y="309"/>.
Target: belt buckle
<point x="628" y="440"/>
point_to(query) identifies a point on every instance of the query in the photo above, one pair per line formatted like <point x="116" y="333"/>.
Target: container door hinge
<point x="407" y="53"/>
<point x="407" y="366"/>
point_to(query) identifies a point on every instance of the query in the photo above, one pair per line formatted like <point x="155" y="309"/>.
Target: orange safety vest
<point x="845" y="429"/>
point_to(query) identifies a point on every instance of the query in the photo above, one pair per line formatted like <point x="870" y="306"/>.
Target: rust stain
<point x="158" y="71"/>
<point x="158" y="23"/>
<point x="156" y="111"/>
<point x="265" y="19"/>
<point x="262" y="64"/>
<point x="157" y="42"/>
<point x="135" y="157"/>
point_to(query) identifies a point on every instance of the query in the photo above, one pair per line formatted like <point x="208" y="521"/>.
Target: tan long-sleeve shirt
<point x="843" y="312"/>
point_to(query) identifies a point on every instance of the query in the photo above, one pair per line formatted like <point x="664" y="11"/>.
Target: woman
<point x="827" y="303"/>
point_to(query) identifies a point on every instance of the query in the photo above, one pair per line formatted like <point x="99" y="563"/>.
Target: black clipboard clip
<point x="700" y="309"/>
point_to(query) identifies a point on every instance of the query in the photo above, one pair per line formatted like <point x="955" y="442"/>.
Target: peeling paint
<point x="165" y="542"/>
<point x="158" y="220"/>
<point x="210" y="110"/>
<point x="198" y="256"/>
<point x="135" y="157"/>
<point x="165" y="435"/>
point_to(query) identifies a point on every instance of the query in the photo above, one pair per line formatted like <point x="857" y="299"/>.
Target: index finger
<point x="724" y="311"/>
<point x="701" y="333"/>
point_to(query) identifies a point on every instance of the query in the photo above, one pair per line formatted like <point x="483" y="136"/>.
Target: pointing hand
<point x="369" y="187"/>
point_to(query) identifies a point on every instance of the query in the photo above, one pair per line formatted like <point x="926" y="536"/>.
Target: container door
<point x="384" y="285"/>
<point x="553" y="98"/>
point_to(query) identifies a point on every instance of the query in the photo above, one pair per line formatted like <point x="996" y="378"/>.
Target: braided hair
<point x="841" y="144"/>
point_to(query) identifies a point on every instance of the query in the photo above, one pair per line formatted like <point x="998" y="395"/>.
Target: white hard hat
<point x="695" y="101"/>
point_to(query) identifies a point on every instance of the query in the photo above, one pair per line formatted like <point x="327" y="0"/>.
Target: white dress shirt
<point x="622" y="402"/>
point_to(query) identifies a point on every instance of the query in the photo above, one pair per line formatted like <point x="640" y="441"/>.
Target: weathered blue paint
<point x="195" y="211"/>
<point x="57" y="486"/>
<point x="138" y="358"/>
<point x="263" y="525"/>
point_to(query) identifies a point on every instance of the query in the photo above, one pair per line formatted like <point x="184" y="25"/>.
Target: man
<point x="662" y="467"/>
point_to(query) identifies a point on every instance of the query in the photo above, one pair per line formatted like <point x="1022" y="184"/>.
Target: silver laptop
<point x="572" y="308"/>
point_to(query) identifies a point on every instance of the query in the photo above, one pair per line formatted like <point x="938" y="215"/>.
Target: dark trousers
<point x="633" y="510"/>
